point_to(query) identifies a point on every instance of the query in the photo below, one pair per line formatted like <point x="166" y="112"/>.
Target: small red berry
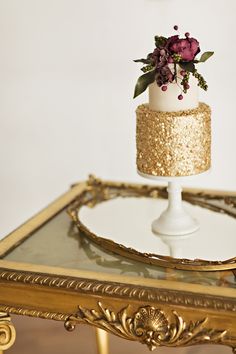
<point x="187" y="86"/>
<point x="176" y="27"/>
<point x="180" y="97"/>
<point x="164" y="88"/>
<point x="170" y="60"/>
<point x="187" y="34"/>
<point x="182" y="72"/>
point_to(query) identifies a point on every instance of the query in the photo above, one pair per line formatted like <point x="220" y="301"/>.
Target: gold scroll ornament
<point x="7" y="332"/>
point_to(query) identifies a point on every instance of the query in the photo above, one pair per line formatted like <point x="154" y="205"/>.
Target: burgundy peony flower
<point x="188" y="48"/>
<point x="171" y="40"/>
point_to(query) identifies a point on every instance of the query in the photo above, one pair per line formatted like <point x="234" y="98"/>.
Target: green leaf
<point x="205" y="56"/>
<point x="144" y="61"/>
<point x="160" y="41"/>
<point x="143" y="82"/>
<point x="187" y="66"/>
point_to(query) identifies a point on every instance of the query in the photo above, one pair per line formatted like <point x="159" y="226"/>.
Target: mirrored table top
<point x="128" y="221"/>
<point x="58" y="243"/>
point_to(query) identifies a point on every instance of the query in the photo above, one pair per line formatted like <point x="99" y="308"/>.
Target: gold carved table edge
<point x="156" y="312"/>
<point x="154" y="316"/>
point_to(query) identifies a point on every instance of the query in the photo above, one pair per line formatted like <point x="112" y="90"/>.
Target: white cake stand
<point x="174" y="220"/>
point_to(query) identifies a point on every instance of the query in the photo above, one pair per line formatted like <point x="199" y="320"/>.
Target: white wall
<point x="66" y="85"/>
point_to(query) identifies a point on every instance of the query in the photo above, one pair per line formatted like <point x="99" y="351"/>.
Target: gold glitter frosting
<point x="173" y="143"/>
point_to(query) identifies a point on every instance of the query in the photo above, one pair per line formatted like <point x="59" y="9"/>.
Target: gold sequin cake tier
<point x="173" y="143"/>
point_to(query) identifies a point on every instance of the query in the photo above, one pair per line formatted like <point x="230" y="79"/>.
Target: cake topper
<point x="160" y="66"/>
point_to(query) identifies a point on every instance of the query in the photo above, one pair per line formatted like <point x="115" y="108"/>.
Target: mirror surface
<point x="127" y="221"/>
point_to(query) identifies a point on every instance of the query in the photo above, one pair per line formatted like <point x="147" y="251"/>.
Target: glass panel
<point x="57" y="243"/>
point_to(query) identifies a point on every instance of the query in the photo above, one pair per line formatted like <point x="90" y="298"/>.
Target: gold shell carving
<point x="150" y="326"/>
<point x="7" y="332"/>
<point x="148" y="319"/>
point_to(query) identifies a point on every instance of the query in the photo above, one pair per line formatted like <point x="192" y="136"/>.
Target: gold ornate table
<point x="50" y="270"/>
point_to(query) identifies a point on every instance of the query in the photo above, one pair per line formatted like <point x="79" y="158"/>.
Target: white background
<point x="66" y="86"/>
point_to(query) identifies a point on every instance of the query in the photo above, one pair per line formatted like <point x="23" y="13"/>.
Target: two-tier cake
<point x="173" y="129"/>
<point x="173" y="134"/>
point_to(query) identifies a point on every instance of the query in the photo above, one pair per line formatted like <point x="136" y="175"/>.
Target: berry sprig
<point x="185" y="80"/>
<point x="147" y="68"/>
<point x="201" y="81"/>
<point x="176" y="58"/>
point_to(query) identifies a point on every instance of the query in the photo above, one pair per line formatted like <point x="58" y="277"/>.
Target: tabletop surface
<point x="57" y="243"/>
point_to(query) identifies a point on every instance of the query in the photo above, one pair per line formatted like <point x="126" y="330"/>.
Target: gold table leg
<point x="102" y="341"/>
<point x="7" y="332"/>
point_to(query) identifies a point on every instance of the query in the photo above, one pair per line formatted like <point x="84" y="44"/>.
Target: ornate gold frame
<point x="98" y="191"/>
<point x="152" y="311"/>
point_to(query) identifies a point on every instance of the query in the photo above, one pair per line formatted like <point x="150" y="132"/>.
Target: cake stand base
<point x="174" y="220"/>
<point x="171" y="224"/>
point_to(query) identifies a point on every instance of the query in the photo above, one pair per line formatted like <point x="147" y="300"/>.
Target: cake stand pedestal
<point x="174" y="220"/>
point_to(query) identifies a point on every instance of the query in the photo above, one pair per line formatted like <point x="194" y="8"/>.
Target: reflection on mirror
<point x="127" y="221"/>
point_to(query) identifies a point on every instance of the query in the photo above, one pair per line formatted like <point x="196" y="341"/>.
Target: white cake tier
<point x="167" y="101"/>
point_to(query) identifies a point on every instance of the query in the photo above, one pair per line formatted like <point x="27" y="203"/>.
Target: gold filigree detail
<point x="99" y="191"/>
<point x="150" y="326"/>
<point x="34" y="313"/>
<point x="108" y="289"/>
<point x="7" y="332"/>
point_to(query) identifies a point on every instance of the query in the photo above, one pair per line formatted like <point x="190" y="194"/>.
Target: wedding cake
<point x="173" y="130"/>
